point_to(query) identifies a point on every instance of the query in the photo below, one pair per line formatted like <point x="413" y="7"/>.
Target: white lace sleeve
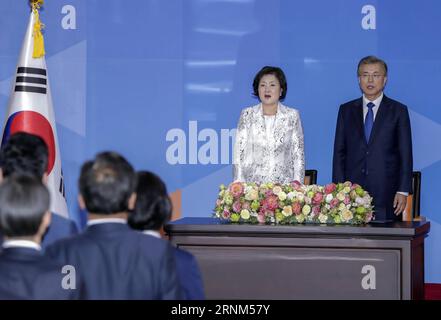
<point x="298" y="150"/>
<point x="239" y="148"/>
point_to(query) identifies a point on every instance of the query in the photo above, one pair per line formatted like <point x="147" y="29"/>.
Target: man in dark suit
<point x="153" y="209"/>
<point x="25" y="273"/>
<point x="115" y="261"/>
<point x="25" y="153"/>
<point x="373" y="144"/>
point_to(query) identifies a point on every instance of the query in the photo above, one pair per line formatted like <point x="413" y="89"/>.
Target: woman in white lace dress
<point x="269" y="143"/>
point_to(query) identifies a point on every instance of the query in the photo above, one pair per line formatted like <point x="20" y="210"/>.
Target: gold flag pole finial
<point x="38" y="26"/>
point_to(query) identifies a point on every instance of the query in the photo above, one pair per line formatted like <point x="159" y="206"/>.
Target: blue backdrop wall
<point x="163" y="81"/>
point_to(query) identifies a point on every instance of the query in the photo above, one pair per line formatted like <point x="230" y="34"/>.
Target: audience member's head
<point x="24" y="153"/>
<point x="24" y="207"/>
<point x="153" y="207"/>
<point x="107" y="184"/>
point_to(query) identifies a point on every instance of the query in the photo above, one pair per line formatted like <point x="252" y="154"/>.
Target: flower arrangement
<point x="294" y="203"/>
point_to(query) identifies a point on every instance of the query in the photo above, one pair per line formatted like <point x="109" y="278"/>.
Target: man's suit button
<point x="362" y="170"/>
<point x="367" y="152"/>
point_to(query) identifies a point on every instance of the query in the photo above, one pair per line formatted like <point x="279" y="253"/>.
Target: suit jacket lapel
<point x="358" y="118"/>
<point x="379" y="118"/>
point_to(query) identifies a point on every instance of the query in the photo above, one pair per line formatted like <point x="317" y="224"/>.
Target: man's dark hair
<point x="153" y="207"/>
<point x="24" y="199"/>
<point x="24" y="153"/>
<point x="106" y="183"/>
<point x="278" y="73"/>
<point x="371" y="60"/>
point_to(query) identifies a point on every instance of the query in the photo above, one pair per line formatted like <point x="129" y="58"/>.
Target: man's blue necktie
<point x="369" y="121"/>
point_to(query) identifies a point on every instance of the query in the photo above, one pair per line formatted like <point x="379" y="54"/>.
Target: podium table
<point x="240" y="261"/>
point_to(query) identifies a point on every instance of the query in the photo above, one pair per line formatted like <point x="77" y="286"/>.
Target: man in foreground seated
<point x="25" y="273"/>
<point x="115" y="261"/>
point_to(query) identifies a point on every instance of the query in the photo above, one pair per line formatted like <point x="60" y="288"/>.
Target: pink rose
<point x="296" y="208"/>
<point x="236" y="206"/>
<point x="261" y="218"/>
<point x="330" y="188"/>
<point x="246" y="205"/>
<point x="236" y="189"/>
<point x="226" y="214"/>
<point x="316" y="210"/>
<point x="317" y="199"/>
<point x="347" y="200"/>
<point x="334" y="203"/>
<point x="271" y="202"/>
<point x="296" y="185"/>
<point x="355" y="186"/>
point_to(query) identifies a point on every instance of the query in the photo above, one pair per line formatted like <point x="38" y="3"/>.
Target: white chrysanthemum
<point x="282" y="196"/>
<point x="323" y="218"/>
<point x="329" y="198"/>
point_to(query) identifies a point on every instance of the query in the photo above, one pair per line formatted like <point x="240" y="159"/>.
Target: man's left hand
<point x="400" y="202"/>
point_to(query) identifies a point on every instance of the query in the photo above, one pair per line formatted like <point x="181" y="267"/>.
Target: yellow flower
<point x="282" y="196"/>
<point x="287" y="211"/>
<point x="346" y="215"/>
<point x="252" y="195"/>
<point x="245" y="214"/>
<point x="323" y="218"/>
<point x="234" y="217"/>
<point x="277" y="190"/>
<point x="306" y="209"/>
<point x="340" y="196"/>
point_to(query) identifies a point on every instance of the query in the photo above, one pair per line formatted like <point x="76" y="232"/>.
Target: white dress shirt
<point x="21" y="244"/>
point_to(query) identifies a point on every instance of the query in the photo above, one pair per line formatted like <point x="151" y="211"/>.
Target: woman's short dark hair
<point x="153" y="207"/>
<point x="24" y="200"/>
<point x="371" y="60"/>
<point x="106" y="183"/>
<point x="278" y="73"/>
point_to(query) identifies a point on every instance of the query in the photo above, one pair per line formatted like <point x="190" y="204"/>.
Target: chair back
<point x="412" y="211"/>
<point x="310" y="177"/>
